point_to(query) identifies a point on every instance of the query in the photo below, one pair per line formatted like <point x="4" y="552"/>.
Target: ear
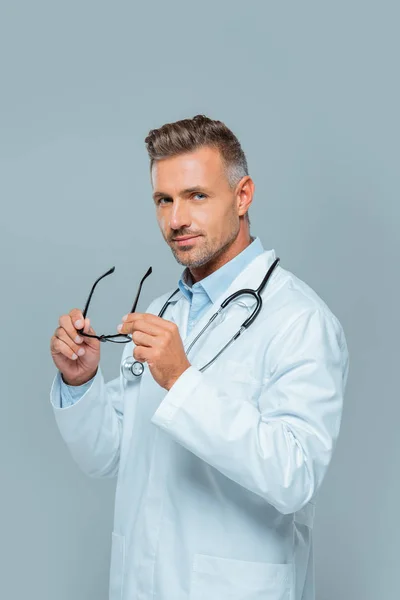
<point x="244" y="194"/>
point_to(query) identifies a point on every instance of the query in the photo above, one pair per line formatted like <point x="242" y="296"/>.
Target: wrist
<point x="80" y="381"/>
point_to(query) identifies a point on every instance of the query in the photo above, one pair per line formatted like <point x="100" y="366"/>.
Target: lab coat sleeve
<point x="279" y="449"/>
<point x="92" y="426"/>
<point x="71" y="393"/>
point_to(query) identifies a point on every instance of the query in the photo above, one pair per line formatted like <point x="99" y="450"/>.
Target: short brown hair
<point x="188" y="135"/>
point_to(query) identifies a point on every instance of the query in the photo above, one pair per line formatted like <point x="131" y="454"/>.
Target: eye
<point x="160" y="201"/>
<point x="199" y="194"/>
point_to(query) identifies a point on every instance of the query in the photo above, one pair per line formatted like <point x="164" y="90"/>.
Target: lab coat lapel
<point x="230" y="319"/>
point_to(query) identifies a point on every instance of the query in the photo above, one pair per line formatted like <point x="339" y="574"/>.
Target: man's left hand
<point x="158" y="342"/>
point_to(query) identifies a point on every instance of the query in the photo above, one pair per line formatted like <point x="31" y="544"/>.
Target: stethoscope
<point x="132" y="369"/>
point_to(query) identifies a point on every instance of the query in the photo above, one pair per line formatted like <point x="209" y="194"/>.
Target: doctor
<point x="218" y="470"/>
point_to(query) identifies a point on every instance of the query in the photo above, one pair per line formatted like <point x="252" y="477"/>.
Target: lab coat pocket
<point x="117" y="566"/>
<point x="215" y="578"/>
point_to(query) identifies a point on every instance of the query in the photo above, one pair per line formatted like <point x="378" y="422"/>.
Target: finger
<point x="86" y="328"/>
<point x="146" y="326"/>
<point x="91" y="342"/>
<point x="65" y="322"/>
<point x="143" y="327"/>
<point x="74" y="348"/>
<point x="141" y="353"/>
<point x="77" y="318"/>
<point x="150" y="318"/>
<point x="58" y="346"/>
<point x="143" y="339"/>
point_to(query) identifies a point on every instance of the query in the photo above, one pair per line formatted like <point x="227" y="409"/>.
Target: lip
<point x="184" y="240"/>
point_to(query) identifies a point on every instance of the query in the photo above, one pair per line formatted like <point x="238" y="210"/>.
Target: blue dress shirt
<point x="201" y="296"/>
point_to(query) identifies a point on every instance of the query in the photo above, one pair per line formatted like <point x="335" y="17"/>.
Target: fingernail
<point x="78" y="339"/>
<point x="74" y="357"/>
<point x="81" y="351"/>
<point x="79" y="324"/>
<point x="124" y="318"/>
<point x="119" y="327"/>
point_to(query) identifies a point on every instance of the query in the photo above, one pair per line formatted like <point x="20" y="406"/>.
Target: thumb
<point x="91" y="342"/>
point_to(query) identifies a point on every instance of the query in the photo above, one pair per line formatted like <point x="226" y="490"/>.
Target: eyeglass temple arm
<point x="85" y="310"/>
<point x="109" y="272"/>
<point x="149" y="271"/>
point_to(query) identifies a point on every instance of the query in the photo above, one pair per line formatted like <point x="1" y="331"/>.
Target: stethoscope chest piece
<point x="131" y="368"/>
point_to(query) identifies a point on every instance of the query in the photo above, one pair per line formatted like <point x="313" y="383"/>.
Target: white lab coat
<point x="217" y="478"/>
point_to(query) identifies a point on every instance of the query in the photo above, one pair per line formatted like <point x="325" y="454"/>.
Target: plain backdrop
<point x="312" y="91"/>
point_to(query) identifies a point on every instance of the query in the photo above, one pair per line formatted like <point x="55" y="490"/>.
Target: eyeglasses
<point x="118" y="338"/>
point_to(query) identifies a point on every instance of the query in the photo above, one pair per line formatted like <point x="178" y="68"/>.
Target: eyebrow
<point x="185" y="192"/>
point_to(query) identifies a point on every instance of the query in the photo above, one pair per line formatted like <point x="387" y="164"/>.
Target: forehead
<point x="204" y="165"/>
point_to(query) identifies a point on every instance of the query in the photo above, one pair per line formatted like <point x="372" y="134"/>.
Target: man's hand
<point x="158" y="342"/>
<point x="76" y="357"/>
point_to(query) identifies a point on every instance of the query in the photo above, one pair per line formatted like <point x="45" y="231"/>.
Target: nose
<point x="180" y="216"/>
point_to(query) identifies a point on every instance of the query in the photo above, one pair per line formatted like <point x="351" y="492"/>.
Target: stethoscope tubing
<point x="245" y="325"/>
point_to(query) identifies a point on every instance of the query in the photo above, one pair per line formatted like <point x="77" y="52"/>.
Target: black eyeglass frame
<point x="122" y="338"/>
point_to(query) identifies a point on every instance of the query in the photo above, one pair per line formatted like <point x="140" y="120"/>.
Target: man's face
<point x="193" y="198"/>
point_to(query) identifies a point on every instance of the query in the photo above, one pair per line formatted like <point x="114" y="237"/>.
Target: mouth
<point x="183" y="241"/>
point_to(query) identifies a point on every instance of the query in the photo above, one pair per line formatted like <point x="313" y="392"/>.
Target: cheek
<point x="162" y="222"/>
<point x="208" y="216"/>
<point x="217" y="217"/>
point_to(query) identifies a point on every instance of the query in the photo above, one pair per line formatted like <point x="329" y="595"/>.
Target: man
<point x="218" y="468"/>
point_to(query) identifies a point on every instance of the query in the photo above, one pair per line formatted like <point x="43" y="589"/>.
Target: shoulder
<point x="300" y="314"/>
<point x="296" y="297"/>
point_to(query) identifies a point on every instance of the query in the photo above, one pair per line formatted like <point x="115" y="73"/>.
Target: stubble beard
<point x="206" y="253"/>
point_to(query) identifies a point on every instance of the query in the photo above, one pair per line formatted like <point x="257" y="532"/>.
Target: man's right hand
<point x="66" y="347"/>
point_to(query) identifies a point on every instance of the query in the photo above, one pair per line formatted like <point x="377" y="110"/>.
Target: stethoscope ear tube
<point x="257" y="294"/>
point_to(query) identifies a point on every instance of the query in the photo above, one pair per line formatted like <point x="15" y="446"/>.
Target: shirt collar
<point x="215" y="284"/>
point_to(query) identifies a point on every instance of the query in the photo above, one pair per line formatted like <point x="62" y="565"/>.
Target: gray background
<point x="312" y="91"/>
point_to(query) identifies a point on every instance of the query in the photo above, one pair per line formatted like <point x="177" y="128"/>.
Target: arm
<point x="92" y="425"/>
<point x="91" y="421"/>
<point x="69" y="394"/>
<point x="280" y="450"/>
